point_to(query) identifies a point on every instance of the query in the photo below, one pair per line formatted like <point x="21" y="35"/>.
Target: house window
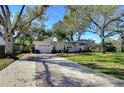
<point x="82" y="44"/>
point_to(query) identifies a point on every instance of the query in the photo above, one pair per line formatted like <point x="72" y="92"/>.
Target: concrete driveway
<point x="47" y="70"/>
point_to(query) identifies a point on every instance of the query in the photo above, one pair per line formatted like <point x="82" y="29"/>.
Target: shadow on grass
<point x="91" y="65"/>
<point x="82" y="53"/>
<point x="119" y="73"/>
<point x="116" y="72"/>
<point x="119" y="60"/>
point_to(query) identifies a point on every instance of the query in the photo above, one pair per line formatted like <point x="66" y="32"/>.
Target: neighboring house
<point x="47" y="46"/>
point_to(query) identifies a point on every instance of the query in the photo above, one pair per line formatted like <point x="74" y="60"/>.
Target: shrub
<point x="109" y="47"/>
<point x="37" y="51"/>
<point x="26" y="49"/>
<point x="18" y="48"/>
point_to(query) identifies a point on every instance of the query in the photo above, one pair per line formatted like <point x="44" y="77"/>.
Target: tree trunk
<point x="102" y="45"/>
<point x="72" y="38"/>
<point x="9" y="45"/>
<point x="122" y="44"/>
<point x="79" y="36"/>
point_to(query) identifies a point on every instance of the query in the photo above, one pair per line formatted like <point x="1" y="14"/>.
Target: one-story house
<point x="48" y="46"/>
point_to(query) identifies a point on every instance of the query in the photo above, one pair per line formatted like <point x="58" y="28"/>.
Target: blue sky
<point x="56" y="13"/>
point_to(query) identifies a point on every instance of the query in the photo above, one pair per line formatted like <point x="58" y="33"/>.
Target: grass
<point x="109" y="63"/>
<point x="19" y="55"/>
<point x="4" y="62"/>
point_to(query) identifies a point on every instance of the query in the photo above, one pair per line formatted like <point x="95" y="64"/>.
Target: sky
<point x="56" y="13"/>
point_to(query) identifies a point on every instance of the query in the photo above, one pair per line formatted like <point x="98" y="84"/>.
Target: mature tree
<point x="69" y="25"/>
<point x="32" y="34"/>
<point x="75" y="22"/>
<point x="24" y="39"/>
<point x="60" y="34"/>
<point x="36" y="32"/>
<point x="39" y="33"/>
<point x="9" y="26"/>
<point x="59" y="31"/>
<point x="102" y="20"/>
<point x="114" y="42"/>
<point x="120" y="31"/>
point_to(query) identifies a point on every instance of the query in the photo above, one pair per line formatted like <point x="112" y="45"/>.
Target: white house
<point x="47" y="46"/>
<point x="2" y="42"/>
<point x="2" y="46"/>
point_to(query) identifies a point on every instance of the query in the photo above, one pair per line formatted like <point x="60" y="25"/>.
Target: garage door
<point x="45" y="48"/>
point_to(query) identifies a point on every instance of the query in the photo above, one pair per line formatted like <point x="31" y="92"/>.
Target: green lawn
<point x="4" y="62"/>
<point x="109" y="63"/>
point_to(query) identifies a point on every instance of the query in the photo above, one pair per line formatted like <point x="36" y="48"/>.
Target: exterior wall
<point x="70" y="46"/>
<point x="2" y="47"/>
<point x="47" y="46"/>
<point x="43" y="47"/>
<point x="2" y="42"/>
<point x="59" y="45"/>
<point x="75" y="46"/>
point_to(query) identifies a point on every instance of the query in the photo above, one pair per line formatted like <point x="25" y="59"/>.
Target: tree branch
<point x="29" y="22"/>
<point x="110" y="34"/>
<point x="121" y="32"/>
<point x="8" y="14"/>
<point x="42" y="10"/>
<point x="95" y="22"/>
<point x="17" y="35"/>
<point x="112" y="20"/>
<point x="7" y="11"/>
<point x="1" y="35"/>
<point x="1" y="20"/>
<point x="19" y="17"/>
<point x="3" y="11"/>
<point x="92" y="32"/>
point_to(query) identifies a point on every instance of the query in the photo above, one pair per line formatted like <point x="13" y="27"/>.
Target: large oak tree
<point x="75" y="22"/>
<point x="9" y="26"/>
<point x="102" y="20"/>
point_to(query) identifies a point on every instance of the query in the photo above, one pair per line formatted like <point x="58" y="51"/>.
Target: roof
<point x="82" y="42"/>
